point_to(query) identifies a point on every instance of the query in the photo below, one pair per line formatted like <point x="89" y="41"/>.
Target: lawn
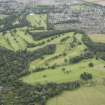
<point x="84" y="96"/>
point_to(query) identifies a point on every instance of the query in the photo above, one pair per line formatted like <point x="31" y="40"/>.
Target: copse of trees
<point x="86" y="76"/>
<point x="12" y="66"/>
<point x="76" y="59"/>
<point x="91" y="64"/>
<point x="46" y="34"/>
<point x="49" y="33"/>
<point x="9" y="20"/>
<point x="39" y="53"/>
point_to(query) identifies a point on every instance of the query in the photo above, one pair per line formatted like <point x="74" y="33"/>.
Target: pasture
<point x="84" y="96"/>
<point x="98" y="38"/>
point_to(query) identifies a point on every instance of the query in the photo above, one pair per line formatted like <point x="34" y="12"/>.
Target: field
<point x="98" y="38"/>
<point x="57" y="75"/>
<point x="83" y="96"/>
<point x="19" y="39"/>
<point x="38" y="21"/>
<point x="15" y="41"/>
<point x="70" y="59"/>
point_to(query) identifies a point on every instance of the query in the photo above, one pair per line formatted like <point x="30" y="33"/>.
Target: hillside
<point x="48" y="56"/>
<point x="42" y="61"/>
<point x="89" y="94"/>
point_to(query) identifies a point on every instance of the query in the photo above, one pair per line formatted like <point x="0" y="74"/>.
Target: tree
<point x="86" y="76"/>
<point x="91" y="65"/>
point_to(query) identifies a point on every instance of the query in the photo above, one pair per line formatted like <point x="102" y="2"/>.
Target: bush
<point x="90" y="64"/>
<point x="76" y="59"/>
<point x="86" y="76"/>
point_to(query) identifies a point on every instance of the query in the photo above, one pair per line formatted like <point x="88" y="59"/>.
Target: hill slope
<point x="38" y="62"/>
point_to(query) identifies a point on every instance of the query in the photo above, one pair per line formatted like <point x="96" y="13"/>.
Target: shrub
<point x="86" y="76"/>
<point x="76" y="59"/>
<point x="90" y="64"/>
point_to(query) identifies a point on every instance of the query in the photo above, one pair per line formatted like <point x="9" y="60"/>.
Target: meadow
<point x="83" y="96"/>
<point x="71" y="73"/>
<point x="98" y="38"/>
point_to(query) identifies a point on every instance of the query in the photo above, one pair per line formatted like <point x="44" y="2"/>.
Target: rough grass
<point x="83" y="96"/>
<point x="98" y="38"/>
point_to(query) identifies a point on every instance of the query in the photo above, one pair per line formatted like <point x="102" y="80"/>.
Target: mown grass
<point x="84" y="96"/>
<point x="38" y="20"/>
<point x="61" y="49"/>
<point x="20" y="39"/>
<point x="57" y="75"/>
<point x="15" y="41"/>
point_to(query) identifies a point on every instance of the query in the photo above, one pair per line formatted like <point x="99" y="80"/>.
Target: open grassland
<point x="44" y="63"/>
<point x="19" y="38"/>
<point x="84" y="96"/>
<point x="71" y="73"/>
<point x="98" y="38"/>
<point x="15" y="41"/>
<point x="68" y="46"/>
<point x="38" y="20"/>
<point x="57" y="66"/>
<point x="64" y="50"/>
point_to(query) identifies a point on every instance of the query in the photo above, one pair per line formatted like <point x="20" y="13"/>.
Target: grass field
<point x="17" y="41"/>
<point x="98" y="38"/>
<point x="38" y="20"/>
<point x="59" y="76"/>
<point x="84" y="96"/>
<point x="57" y="66"/>
<point x="62" y="47"/>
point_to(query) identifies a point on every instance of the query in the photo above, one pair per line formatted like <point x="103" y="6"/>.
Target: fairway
<point x="84" y="96"/>
<point x="17" y="41"/>
<point x="38" y="20"/>
<point x="57" y="75"/>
